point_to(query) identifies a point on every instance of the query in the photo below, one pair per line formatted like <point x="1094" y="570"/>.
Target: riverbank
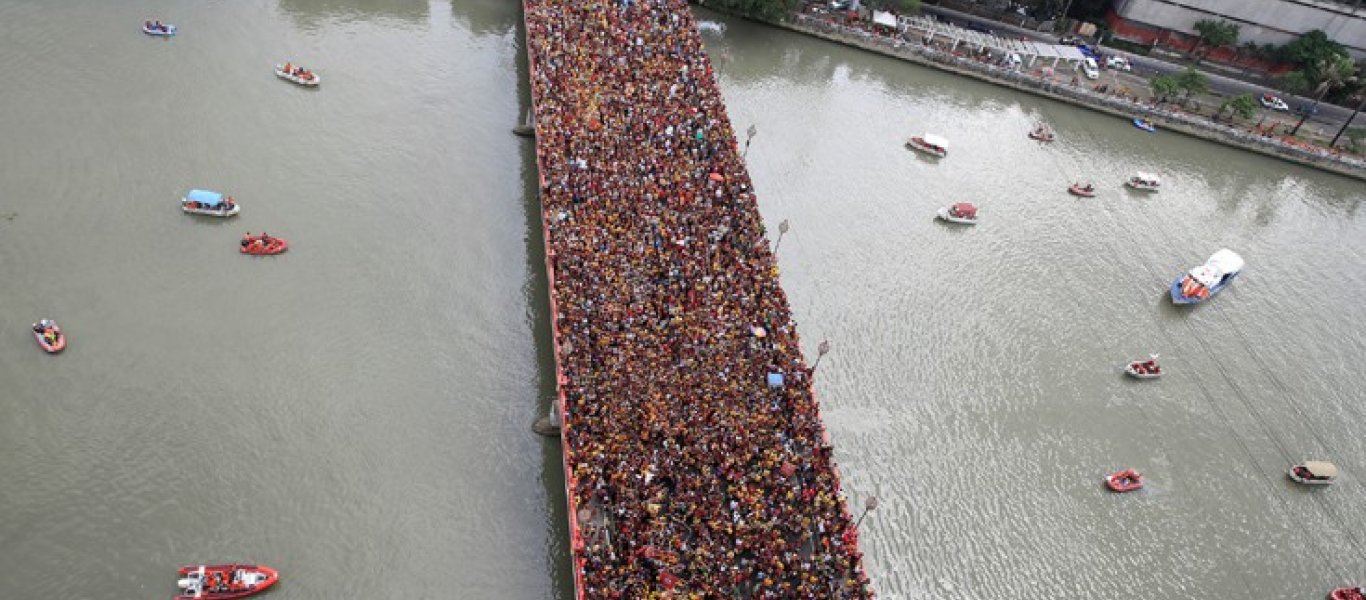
<point x="1038" y="84"/>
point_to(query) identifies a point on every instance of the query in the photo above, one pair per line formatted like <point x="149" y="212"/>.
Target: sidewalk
<point x="1330" y="117"/>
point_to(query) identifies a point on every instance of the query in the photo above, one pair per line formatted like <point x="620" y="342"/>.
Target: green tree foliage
<point x="1163" y="86"/>
<point x="1243" y="106"/>
<point x="1327" y="74"/>
<point x="1191" y="82"/>
<point x="764" y="10"/>
<point x="1310" y="50"/>
<point x="1213" y="34"/>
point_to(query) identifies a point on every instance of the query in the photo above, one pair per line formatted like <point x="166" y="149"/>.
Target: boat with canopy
<point x="1145" y="182"/>
<point x="205" y="202"/>
<point x="1203" y="282"/>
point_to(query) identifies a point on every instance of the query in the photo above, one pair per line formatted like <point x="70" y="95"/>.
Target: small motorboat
<point x="1145" y="125"/>
<point x="223" y="582"/>
<point x="1085" y="191"/>
<point x="1204" y="281"/>
<point x="1042" y="133"/>
<point x="297" y="75"/>
<point x="1144" y="369"/>
<point x="930" y="144"/>
<point x="158" y="28"/>
<point x="1127" y="480"/>
<point x="49" y="336"/>
<point x="1144" y="182"/>
<point x="262" y="245"/>
<point x="1347" y="593"/>
<point x="213" y="204"/>
<point x="1314" y="473"/>
<point x="963" y="213"/>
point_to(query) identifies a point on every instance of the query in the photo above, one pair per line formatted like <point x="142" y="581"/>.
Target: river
<point x="357" y="411"/>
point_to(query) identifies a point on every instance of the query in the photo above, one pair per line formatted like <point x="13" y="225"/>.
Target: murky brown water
<point x="356" y="411"/>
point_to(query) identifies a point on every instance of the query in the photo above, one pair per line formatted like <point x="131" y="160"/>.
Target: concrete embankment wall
<point x="1166" y="120"/>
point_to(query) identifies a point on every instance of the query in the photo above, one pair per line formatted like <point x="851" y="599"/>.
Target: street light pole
<point x="821" y="351"/>
<point x="868" y="506"/>
<point x="782" y="230"/>
<point x="1348" y="123"/>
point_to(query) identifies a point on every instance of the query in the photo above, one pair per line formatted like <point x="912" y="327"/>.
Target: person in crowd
<point x="707" y="482"/>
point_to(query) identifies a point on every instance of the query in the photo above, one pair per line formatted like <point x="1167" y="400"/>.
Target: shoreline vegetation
<point x="1058" y="87"/>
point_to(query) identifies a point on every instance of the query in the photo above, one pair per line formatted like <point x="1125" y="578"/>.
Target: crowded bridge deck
<point x="696" y="460"/>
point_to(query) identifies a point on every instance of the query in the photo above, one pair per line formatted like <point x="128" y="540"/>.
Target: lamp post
<point x="1348" y="123"/>
<point x="782" y="230"/>
<point x="868" y="506"/>
<point x="749" y="137"/>
<point x="821" y="351"/>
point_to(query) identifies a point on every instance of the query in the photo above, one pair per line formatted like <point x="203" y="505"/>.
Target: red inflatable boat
<point x="1087" y="191"/>
<point x="1127" y="480"/>
<point x="263" y="245"/>
<point x="49" y="336"/>
<point x="1347" y="593"/>
<point x="223" y="582"/>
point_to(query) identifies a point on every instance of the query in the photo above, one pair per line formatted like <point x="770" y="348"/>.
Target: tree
<point x="1191" y="82"/>
<point x="1163" y="87"/>
<point x="1242" y="106"/>
<point x="1361" y="103"/>
<point x="1310" y="50"/>
<point x="1213" y="34"/>
<point x="764" y="10"/>
<point x="1333" y="72"/>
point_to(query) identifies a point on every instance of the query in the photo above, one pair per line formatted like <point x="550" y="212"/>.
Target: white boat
<point x="930" y="144"/>
<point x="1141" y="369"/>
<point x="963" y="213"/>
<point x="300" y="76"/>
<point x="1314" y="473"/>
<point x="1203" y="282"/>
<point x="1146" y="182"/>
<point x="213" y="204"/>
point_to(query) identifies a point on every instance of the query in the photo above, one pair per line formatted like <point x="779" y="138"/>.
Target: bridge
<point x="696" y="461"/>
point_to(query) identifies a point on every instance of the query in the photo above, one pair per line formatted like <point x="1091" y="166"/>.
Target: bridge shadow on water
<point x="538" y="319"/>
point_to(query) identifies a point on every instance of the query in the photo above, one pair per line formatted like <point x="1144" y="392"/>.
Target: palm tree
<point x="1334" y="72"/>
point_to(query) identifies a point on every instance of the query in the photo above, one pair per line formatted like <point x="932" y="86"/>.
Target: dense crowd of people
<point x="698" y="464"/>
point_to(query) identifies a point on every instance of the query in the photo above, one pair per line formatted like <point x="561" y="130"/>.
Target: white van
<point x="1088" y="67"/>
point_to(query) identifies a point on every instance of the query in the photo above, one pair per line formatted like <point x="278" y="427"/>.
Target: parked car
<point x="1307" y="109"/>
<point x="1070" y="40"/>
<point x="1272" y="102"/>
<point x="1088" y="67"/>
<point x="840" y="4"/>
<point x="1118" y="63"/>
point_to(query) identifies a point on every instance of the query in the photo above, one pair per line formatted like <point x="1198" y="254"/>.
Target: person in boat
<point x="1151" y="366"/>
<point x="289" y="69"/>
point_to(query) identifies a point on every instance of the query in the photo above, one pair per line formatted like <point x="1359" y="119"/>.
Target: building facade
<point x="1172" y="22"/>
